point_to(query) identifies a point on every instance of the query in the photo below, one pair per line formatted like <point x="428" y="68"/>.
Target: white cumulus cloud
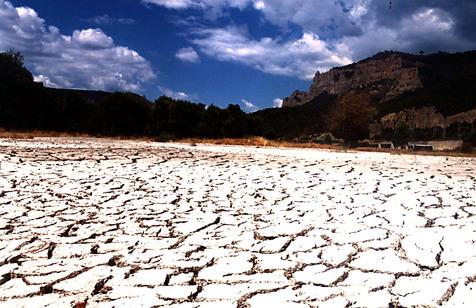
<point x="299" y="58"/>
<point x="187" y="55"/>
<point x="92" y="38"/>
<point x="105" y="19"/>
<point x="201" y="4"/>
<point x="45" y="81"/>
<point x="87" y="59"/>
<point x="248" y="106"/>
<point x="351" y="29"/>
<point x="260" y="5"/>
<point x="426" y="29"/>
<point x="176" y="94"/>
<point x="172" y="4"/>
<point x="277" y="103"/>
<point x="311" y="15"/>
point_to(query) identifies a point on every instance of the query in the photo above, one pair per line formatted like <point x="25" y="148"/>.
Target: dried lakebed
<point x="111" y="223"/>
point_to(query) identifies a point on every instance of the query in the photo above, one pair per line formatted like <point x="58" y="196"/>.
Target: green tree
<point x="125" y="114"/>
<point x="211" y="122"/>
<point x="234" y="122"/>
<point x="402" y="134"/>
<point x="176" y="118"/>
<point x="350" y="117"/>
<point x="20" y="97"/>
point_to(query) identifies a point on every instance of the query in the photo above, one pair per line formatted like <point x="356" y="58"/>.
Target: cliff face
<point x="422" y="118"/>
<point x="296" y="99"/>
<point x="425" y="118"/>
<point x="431" y="95"/>
<point x="385" y="76"/>
<point x="389" y="72"/>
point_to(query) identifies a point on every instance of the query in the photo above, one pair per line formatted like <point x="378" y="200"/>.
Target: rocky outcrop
<point x="425" y="118"/>
<point x="464" y="117"/>
<point x="422" y="118"/>
<point x="296" y="99"/>
<point x="386" y="76"/>
<point x="392" y="72"/>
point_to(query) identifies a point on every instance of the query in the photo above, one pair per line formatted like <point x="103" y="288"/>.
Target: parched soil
<point x="108" y="223"/>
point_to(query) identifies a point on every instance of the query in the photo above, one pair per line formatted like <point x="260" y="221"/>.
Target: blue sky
<point x="250" y="52"/>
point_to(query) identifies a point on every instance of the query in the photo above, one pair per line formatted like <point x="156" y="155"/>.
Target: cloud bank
<point x="334" y="31"/>
<point x="299" y="58"/>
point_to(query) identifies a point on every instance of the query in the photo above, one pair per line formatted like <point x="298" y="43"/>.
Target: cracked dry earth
<point x="103" y="223"/>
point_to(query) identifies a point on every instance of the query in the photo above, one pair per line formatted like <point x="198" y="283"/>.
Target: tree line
<point x="27" y="105"/>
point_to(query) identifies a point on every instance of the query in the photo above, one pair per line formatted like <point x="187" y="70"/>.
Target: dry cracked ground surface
<point x="103" y="223"/>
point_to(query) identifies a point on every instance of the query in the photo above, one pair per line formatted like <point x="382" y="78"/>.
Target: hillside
<point x="419" y="92"/>
<point x="87" y="95"/>
<point x="27" y="105"/>
<point x="383" y="97"/>
<point x="388" y="75"/>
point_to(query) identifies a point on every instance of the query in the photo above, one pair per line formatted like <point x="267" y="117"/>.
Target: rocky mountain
<point x="431" y="93"/>
<point x="388" y="75"/>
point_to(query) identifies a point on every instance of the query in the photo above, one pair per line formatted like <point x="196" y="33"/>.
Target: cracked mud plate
<point x="107" y="223"/>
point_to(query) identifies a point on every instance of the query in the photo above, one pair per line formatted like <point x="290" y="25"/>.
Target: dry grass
<point x="263" y="142"/>
<point x="258" y="142"/>
<point x="5" y="134"/>
<point x="36" y="134"/>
